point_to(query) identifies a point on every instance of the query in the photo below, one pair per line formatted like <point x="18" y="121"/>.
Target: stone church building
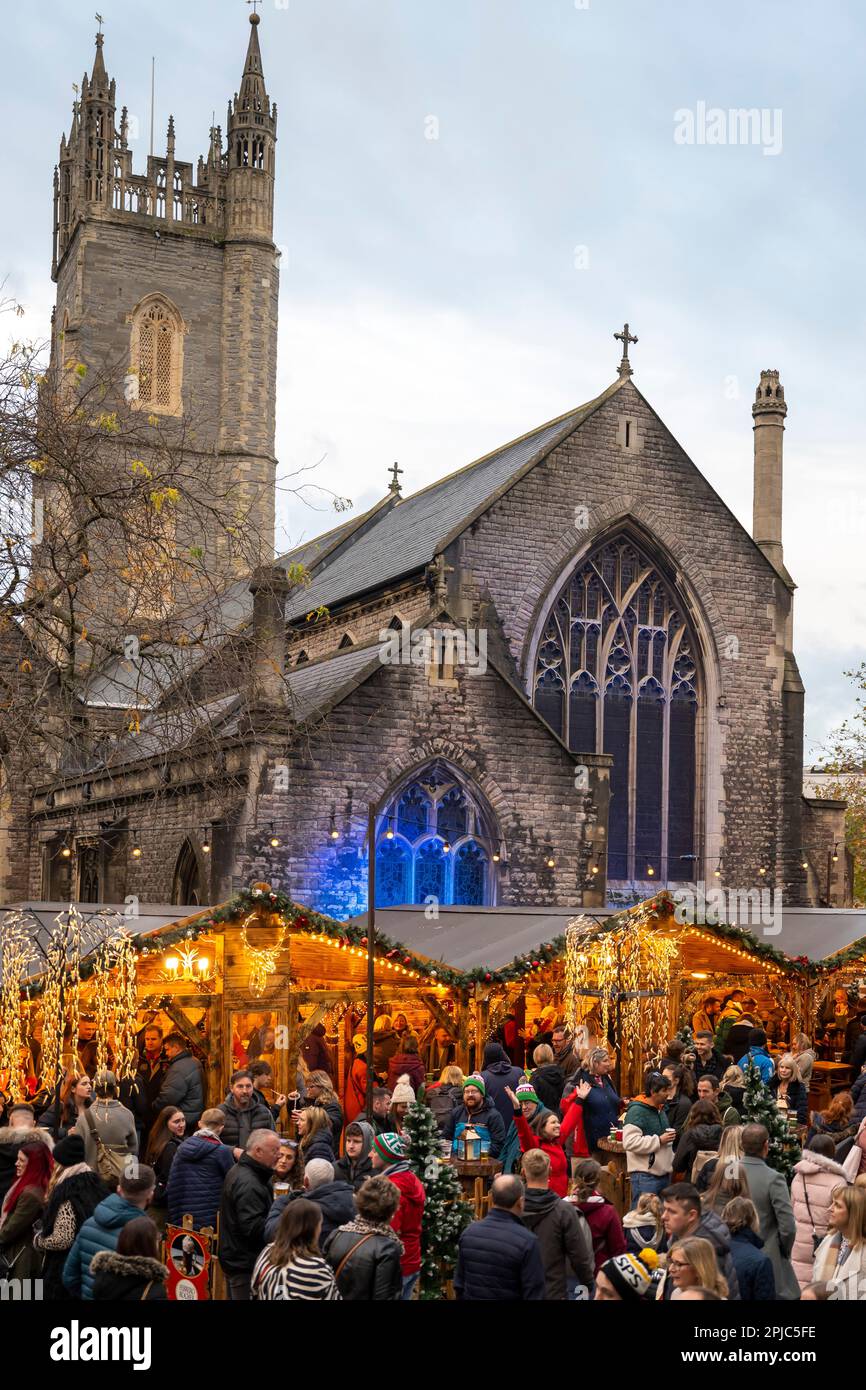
<point x="562" y="675"/>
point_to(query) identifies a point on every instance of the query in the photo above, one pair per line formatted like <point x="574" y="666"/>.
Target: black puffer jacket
<point x="372" y="1274"/>
<point x="240" y="1123"/>
<point x="336" y="1199"/>
<point x="549" y="1084"/>
<point x="499" y="1261"/>
<point x="244" y="1206"/>
<point x="564" y="1239"/>
<point x="125" y="1278"/>
<point x="183" y="1086"/>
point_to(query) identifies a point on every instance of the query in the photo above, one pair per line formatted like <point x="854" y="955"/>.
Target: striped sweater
<point x="307" y="1277"/>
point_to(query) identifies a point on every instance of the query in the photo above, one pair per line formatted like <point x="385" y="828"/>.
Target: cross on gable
<point x="395" y="472"/>
<point x="625" y="338"/>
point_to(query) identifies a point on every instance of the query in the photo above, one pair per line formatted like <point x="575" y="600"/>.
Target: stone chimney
<point x="768" y="412"/>
<point x="269" y="586"/>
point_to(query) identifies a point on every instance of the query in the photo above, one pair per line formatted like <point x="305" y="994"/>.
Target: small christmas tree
<point x="446" y="1213"/>
<point x="759" y="1108"/>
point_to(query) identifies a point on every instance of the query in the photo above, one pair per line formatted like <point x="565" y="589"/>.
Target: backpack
<point x="701" y="1157"/>
<point x="110" y="1161"/>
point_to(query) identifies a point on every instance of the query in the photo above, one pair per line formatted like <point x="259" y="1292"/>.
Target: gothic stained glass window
<point x="430" y="871"/>
<point x="412" y="861"/>
<point x="451" y="814"/>
<point x="393" y="866"/>
<point x="470" y="873"/>
<point x="617" y="671"/>
<point x="413" y="811"/>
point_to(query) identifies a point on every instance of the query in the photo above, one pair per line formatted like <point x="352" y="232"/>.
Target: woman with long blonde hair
<point x="315" y="1134"/>
<point x="724" y="1177"/>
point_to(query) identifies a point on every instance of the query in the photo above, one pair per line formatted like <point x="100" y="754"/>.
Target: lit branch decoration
<point x="16" y="956"/>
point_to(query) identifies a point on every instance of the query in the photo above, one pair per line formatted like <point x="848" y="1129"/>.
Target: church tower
<point x="167" y="279"/>
<point x="250" y="289"/>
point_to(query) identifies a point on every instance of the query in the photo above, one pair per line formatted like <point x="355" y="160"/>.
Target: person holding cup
<point x="648" y="1138"/>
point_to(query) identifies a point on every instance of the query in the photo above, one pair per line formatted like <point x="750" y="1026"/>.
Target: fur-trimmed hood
<point x="817" y="1163"/>
<point x="127" y="1266"/>
<point x="17" y="1136"/>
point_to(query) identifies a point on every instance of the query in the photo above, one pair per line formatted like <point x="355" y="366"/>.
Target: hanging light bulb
<point x="446" y="847"/>
<point x="136" y="847"/>
<point x="66" y="850"/>
<point x="717" y="871"/>
<point x="762" y="870"/>
<point x="551" y="863"/>
<point x="274" y="839"/>
<point x="205" y="846"/>
<point x="835" y="855"/>
<point x="496" y="856"/>
<point x="389" y="833"/>
<point x="650" y="871"/>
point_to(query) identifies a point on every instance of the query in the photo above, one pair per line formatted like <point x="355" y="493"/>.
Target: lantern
<point x="471" y="1144"/>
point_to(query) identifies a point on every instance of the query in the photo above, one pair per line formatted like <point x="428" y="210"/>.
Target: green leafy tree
<point x="759" y="1108"/>
<point x="446" y="1212"/>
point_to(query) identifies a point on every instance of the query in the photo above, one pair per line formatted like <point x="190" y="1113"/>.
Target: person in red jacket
<point x="388" y="1157"/>
<point x="608" y="1236"/>
<point x="549" y="1134"/>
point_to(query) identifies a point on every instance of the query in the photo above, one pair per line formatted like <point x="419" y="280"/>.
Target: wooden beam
<point x="440" y="1018"/>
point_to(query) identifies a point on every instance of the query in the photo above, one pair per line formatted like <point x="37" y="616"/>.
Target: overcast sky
<point x="442" y="295"/>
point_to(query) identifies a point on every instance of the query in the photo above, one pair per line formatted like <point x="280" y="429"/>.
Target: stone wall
<point x="524" y="546"/>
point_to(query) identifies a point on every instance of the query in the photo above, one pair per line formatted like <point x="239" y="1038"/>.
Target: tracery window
<point x="618" y="671"/>
<point x="157" y="355"/>
<point x="187" y="888"/>
<point x="434" y="840"/>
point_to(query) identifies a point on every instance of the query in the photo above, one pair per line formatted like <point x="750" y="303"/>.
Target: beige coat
<point x="815" y="1180"/>
<point x="847" y="1281"/>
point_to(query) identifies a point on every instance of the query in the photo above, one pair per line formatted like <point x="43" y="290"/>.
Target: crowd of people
<point x="89" y="1181"/>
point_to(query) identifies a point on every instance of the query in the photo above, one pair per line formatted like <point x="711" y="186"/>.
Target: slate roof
<point x="409" y="535"/>
<point x="392" y="541"/>
<point x="126" y="684"/>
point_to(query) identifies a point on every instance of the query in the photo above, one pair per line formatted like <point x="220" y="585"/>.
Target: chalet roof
<point x="468" y="937"/>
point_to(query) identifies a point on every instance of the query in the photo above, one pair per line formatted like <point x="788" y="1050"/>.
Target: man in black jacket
<point x="561" y="1230"/>
<point x="708" y="1060"/>
<point x="183" y="1084"/>
<point x="244" y="1206"/>
<point x="335" y="1197"/>
<point x="499" y="1259"/>
<point x="245" y="1110"/>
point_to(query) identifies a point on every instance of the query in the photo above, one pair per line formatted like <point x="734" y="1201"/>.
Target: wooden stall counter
<point x="828" y="1079"/>
<point x="476" y="1176"/>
